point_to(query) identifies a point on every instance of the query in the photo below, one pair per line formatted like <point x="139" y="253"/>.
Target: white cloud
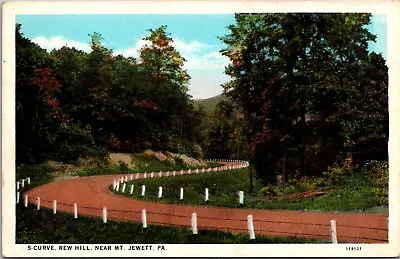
<point x="204" y="64"/>
<point x="191" y="51"/>
<point x="211" y="60"/>
<point x="189" y="47"/>
<point x="206" y="83"/>
<point x="133" y="51"/>
<point x="58" y="42"/>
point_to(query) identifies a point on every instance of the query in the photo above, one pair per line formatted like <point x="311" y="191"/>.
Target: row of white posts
<point x="21" y="183"/>
<point x="74" y="210"/>
<point x="227" y="160"/>
<point x="194" y="228"/>
<point x="160" y="192"/>
<point x="174" y="173"/>
<point x="250" y="224"/>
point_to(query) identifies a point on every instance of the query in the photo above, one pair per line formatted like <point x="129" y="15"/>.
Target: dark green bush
<point x="378" y="174"/>
<point x="75" y="142"/>
<point x="123" y="167"/>
<point x="34" y="171"/>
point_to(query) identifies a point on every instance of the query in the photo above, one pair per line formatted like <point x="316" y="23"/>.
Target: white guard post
<point x="241" y="197"/>
<point x="159" y="192"/>
<point x="143" y="190"/>
<point x="18" y="197"/>
<point x="181" y="194"/>
<point x="250" y="226"/>
<point x="144" y="218"/>
<point x="54" y="206"/>
<point x="75" y="211"/>
<point x="333" y="231"/>
<point x="194" y="223"/>
<point x="104" y="215"/>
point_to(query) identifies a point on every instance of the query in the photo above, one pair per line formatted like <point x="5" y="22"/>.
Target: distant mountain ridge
<point x="209" y="104"/>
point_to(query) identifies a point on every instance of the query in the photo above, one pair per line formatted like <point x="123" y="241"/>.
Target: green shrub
<point x="336" y="175"/>
<point x="308" y="184"/>
<point x="34" y="171"/>
<point x="377" y="172"/>
<point x="75" y="142"/>
<point x="123" y="167"/>
<point x="269" y="190"/>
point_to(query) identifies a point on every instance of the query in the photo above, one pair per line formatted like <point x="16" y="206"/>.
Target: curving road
<point x="92" y="194"/>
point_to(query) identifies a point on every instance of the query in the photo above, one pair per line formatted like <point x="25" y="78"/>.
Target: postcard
<point x="200" y="129"/>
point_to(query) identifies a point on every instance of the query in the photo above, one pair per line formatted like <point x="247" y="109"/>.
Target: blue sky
<point x="195" y="37"/>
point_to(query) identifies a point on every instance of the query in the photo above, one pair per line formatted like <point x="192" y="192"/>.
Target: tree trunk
<point x="302" y="151"/>
<point x="303" y="144"/>
<point x="251" y="178"/>
<point x="284" y="165"/>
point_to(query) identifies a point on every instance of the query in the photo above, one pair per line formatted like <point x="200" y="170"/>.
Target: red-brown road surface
<point x="92" y="194"/>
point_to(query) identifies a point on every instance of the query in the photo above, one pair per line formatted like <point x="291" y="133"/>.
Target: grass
<point x="42" y="227"/>
<point x="39" y="174"/>
<point x="222" y="186"/>
<point x="354" y="195"/>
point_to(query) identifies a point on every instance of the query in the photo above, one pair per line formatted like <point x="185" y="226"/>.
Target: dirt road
<point x="92" y="194"/>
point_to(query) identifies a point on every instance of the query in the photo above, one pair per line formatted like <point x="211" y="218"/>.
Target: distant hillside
<point x="209" y="104"/>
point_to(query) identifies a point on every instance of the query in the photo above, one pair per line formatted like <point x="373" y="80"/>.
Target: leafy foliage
<point x="224" y="136"/>
<point x="310" y="91"/>
<point x="72" y="104"/>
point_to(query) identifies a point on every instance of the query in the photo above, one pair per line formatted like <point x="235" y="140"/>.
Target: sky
<point x="195" y="37"/>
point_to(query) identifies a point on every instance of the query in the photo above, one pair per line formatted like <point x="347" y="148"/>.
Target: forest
<point x="305" y="94"/>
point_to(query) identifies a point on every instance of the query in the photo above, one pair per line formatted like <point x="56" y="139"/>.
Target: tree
<point x="164" y="65"/>
<point x="296" y="76"/>
<point x="224" y="135"/>
<point x="67" y="64"/>
<point x="43" y="129"/>
<point x="94" y="82"/>
<point x="162" y="61"/>
<point x="29" y="57"/>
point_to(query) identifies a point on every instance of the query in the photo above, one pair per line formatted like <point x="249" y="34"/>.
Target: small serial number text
<point x="353" y="248"/>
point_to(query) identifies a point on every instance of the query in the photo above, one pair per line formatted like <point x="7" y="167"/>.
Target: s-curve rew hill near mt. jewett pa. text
<point x="115" y="144"/>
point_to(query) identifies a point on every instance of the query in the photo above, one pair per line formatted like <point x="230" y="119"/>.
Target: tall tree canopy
<point x="310" y="90"/>
<point x="72" y="104"/>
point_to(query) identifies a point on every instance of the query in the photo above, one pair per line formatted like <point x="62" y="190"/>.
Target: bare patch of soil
<point x="297" y="196"/>
<point x="116" y="158"/>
